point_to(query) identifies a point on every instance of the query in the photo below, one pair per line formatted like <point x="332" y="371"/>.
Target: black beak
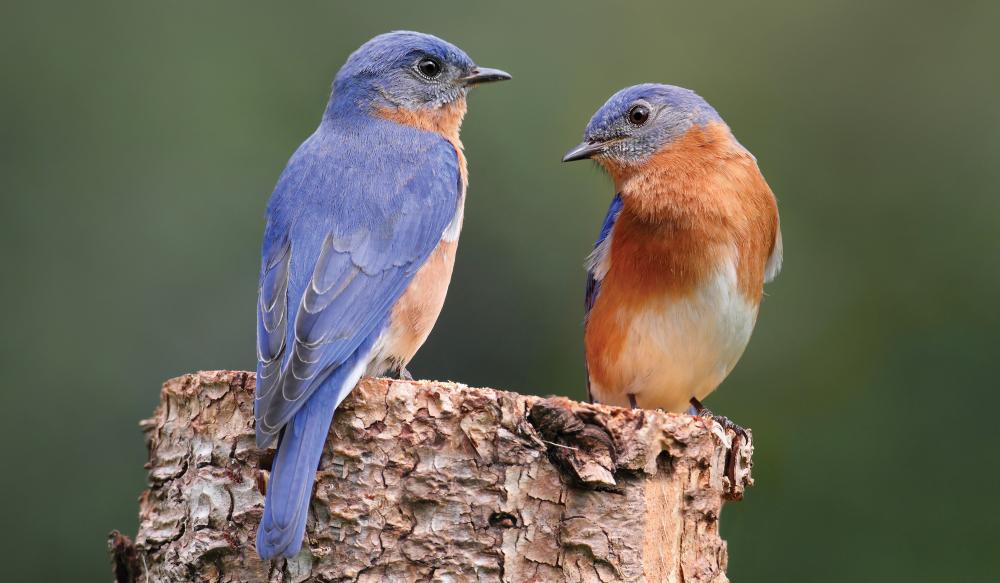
<point x="585" y="150"/>
<point x="481" y="75"/>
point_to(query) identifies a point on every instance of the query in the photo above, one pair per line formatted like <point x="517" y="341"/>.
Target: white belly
<point x="681" y="348"/>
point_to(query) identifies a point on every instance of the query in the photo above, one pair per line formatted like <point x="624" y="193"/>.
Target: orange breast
<point x="702" y="190"/>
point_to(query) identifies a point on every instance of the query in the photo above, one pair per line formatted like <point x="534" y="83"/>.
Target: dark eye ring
<point x="638" y="114"/>
<point x="429" y="67"/>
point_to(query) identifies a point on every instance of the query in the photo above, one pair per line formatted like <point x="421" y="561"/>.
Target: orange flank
<point x="417" y="310"/>
<point x="685" y="271"/>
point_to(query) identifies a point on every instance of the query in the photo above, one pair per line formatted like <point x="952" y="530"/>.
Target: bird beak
<point x="481" y="75"/>
<point x="587" y="149"/>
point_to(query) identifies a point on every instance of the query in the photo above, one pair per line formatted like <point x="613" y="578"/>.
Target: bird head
<point x="407" y="70"/>
<point x="639" y="121"/>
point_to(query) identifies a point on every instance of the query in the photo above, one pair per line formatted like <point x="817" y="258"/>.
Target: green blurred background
<point x="139" y="142"/>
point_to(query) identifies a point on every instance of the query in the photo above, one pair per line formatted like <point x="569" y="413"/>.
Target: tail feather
<point x="286" y="505"/>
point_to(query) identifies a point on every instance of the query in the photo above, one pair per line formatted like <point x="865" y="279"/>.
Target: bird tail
<point x="289" y="490"/>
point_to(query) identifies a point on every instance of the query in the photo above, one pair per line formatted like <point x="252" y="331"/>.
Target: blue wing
<point x="354" y="215"/>
<point x="601" y="248"/>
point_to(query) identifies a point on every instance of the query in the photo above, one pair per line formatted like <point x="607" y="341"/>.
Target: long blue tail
<point x="286" y="505"/>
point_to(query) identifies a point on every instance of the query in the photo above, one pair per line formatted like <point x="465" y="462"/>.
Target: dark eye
<point x="638" y="115"/>
<point x="429" y="67"/>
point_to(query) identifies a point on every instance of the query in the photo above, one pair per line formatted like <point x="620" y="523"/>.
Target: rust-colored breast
<point x="707" y="185"/>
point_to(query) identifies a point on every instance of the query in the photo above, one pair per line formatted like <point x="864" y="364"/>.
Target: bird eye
<point x="429" y="67"/>
<point x="638" y="115"/>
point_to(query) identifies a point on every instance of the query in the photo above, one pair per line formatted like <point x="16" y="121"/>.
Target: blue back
<point x="357" y="211"/>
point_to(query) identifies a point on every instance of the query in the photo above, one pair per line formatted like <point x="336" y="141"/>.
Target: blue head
<point x="408" y="70"/>
<point x="639" y="121"/>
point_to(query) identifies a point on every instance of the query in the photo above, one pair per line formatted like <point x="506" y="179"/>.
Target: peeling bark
<point x="428" y="481"/>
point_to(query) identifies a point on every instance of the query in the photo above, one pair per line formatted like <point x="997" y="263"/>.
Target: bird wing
<point x="597" y="261"/>
<point x="352" y="218"/>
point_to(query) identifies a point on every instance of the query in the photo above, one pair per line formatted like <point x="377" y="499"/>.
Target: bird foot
<point x="727" y="425"/>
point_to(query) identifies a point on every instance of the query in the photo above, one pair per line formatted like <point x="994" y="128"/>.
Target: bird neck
<point x="444" y="120"/>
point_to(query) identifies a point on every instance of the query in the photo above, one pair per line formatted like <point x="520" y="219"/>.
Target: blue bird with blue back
<point x="358" y="251"/>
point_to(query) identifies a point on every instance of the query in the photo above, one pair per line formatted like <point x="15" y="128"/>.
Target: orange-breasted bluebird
<point x="676" y="277"/>
<point x="358" y="252"/>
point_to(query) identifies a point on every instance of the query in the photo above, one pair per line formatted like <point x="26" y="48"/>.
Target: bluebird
<point x="676" y="276"/>
<point x="358" y="251"/>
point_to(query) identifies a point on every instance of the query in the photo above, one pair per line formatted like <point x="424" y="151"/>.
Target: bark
<point x="431" y="481"/>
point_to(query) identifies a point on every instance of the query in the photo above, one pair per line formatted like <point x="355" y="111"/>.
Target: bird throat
<point x="445" y="120"/>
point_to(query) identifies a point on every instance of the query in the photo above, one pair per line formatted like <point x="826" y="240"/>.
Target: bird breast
<point x="667" y="347"/>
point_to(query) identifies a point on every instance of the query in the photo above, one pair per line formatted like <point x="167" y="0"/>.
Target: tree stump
<point x="433" y="481"/>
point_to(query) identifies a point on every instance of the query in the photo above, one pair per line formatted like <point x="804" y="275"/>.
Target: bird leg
<point x="727" y="424"/>
<point x="402" y="374"/>
<point x="632" y="402"/>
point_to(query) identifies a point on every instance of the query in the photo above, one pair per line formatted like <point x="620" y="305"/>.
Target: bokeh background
<point x="139" y="142"/>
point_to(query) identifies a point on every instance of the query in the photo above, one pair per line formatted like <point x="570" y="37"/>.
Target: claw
<point x="727" y="424"/>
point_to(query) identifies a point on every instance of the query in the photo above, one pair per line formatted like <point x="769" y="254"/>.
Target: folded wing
<point x="345" y="235"/>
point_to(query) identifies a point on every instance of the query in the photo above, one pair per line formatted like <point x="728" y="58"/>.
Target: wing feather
<point x="597" y="262"/>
